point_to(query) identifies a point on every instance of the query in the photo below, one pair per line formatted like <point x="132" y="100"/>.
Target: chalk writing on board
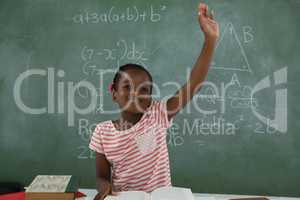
<point x="248" y="34"/>
<point x="115" y="15"/>
<point x="200" y="143"/>
<point x="85" y="129"/>
<point x="85" y="153"/>
<point x="244" y="96"/>
<point x="238" y="95"/>
<point x="174" y="137"/>
<point x="267" y="129"/>
<point x="123" y="50"/>
<point x="99" y="108"/>
<point x="230" y="39"/>
<point x="239" y="122"/>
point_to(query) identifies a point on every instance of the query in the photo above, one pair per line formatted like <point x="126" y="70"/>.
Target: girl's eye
<point x="126" y="86"/>
<point x="145" y="89"/>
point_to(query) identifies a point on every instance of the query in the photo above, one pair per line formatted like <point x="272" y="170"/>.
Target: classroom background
<point x="239" y="134"/>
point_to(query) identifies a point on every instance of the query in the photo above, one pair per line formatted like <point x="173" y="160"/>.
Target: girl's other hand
<point x="106" y="189"/>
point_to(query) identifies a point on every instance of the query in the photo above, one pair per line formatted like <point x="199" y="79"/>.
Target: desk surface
<point x="198" y="196"/>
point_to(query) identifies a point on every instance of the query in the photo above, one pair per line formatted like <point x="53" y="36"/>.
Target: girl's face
<point x="133" y="91"/>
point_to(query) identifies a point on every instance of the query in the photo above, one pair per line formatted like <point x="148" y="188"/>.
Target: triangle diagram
<point x="230" y="54"/>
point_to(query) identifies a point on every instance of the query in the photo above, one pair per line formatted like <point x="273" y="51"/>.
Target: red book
<point x="21" y="196"/>
<point x="13" y="196"/>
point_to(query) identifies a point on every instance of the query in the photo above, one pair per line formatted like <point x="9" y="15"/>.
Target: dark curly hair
<point x="125" y="67"/>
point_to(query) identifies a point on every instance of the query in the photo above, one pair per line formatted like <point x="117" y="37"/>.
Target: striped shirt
<point x="139" y="155"/>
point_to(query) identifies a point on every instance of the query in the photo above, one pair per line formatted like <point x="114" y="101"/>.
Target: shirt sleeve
<point x="96" y="141"/>
<point x="161" y="114"/>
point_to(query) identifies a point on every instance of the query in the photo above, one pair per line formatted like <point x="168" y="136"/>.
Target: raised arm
<point x="210" y="28"/>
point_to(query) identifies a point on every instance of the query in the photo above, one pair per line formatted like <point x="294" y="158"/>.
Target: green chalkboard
<point x="240" y="134"/>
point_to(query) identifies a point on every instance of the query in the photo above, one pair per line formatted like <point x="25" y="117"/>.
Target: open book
<point x="163" y="193"/>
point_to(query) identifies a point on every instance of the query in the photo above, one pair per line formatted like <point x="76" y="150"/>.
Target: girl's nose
<point x="133" y="95"/>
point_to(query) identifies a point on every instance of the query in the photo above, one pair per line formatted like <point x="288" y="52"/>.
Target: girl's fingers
<point x="201" y="9"/>
<point x="211" y="20"/>
<point x="206" y="10"/>
<point x="211" y="15"/>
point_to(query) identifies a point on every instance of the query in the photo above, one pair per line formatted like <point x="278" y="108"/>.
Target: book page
<point x="110" y="197"/>
<point x="172" y="193"/>
<point x="130" y="195"/>
<point x="48" y="183"/>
